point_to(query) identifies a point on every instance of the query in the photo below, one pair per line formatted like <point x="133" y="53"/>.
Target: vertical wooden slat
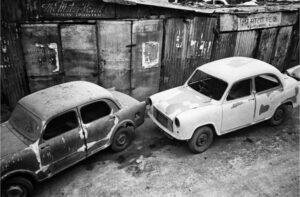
<point x="114" y="41"/>
<point x="281" y="47"/>
<point x="224" y="46"/>
<point x="200" y="43"/>
<point x="266" y="44"/>
<point x="175" y="49"/>
<point x="13" y="77"/>
<point x="146" y="57"/>
<point x="79" y="52"/>
<point x="245" y="43"/>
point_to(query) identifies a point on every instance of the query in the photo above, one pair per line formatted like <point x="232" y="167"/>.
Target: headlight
<point x="148" y="101"/>
<point x="177" y="123"/>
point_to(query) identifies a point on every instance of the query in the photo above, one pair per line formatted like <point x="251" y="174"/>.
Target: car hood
<point x="10" y="143"/>
<point x="177" y="100"/>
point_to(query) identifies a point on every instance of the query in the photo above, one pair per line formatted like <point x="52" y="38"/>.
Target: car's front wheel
<point x="279" y="115"/>
<point x="17" y="187"/>
<point x="122" y="138"/>
<point x="201" y="140"/>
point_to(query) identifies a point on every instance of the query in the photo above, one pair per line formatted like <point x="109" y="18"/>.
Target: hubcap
<point x="202" y="139"/>
<point x="278" y="114"/>
<point x="121" y="139"/>
<point x="15" y="191"/>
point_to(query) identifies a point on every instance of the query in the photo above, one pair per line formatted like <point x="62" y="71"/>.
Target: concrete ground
<point x="255" y="161"/>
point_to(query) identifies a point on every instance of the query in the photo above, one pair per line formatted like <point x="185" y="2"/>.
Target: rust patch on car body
<point x="263" y="109"/>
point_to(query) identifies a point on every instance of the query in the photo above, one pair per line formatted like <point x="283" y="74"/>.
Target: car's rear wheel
<point x="17" y="187"/>
<point x="201" y="140"/>
<point x="279" y="115"/>
<point x="122" y="138"/>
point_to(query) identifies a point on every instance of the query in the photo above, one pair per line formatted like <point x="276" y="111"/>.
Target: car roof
<point x="236" y="68"/>
<point x="56" y="99"/>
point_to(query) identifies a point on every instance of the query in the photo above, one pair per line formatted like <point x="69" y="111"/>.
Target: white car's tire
<point x="201" y="139"/>
<point x="279" y="115"/>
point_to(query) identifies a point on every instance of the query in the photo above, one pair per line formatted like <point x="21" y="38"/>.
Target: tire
<point x="122" y="138"/>
<point x="279" y="115"/>
<point x="18" y="186"/>
<point x="201" y="139"/>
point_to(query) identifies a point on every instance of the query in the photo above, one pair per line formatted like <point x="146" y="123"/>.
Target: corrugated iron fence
<point x="137" y="56"/>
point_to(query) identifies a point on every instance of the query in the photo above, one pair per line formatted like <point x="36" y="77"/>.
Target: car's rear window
<point x="208" y="85"/>
<point x="25" y="122"/>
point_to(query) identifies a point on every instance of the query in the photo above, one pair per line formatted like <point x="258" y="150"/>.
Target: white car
<point x="221" y="97"/>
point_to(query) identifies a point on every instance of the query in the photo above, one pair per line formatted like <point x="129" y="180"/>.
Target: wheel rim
<point x="122" y="139"/>
<point x="279" y="114"/>
<point x="202" y="139"/>
<point x="16" y="191"/>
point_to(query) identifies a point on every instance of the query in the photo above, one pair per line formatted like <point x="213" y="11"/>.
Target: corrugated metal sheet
<point x="266" y="44"/>
<point x="281" y="47"/>
<point x="176" y="39"/>
<point x="114" y="40"/>
<point x="224" y="46"/>
<point x="79" y="51"/>
<point x="146" y="57"/>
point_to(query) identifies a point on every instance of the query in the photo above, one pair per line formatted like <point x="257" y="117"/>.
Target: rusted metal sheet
<point x="281" y="47"/>
<point x="230" y="22"/>
<point x="146" y="57"/>
<point x="245" y="43"/>
<point x="114" y="40"/>
<point x="39" y="83"/>
<point x="200" y="43"/>
<point x="76" y="9"/>
<point x="266" y="44"/>
<point x="79" y="51"/>
<point x="13" y="76"/>
<point x="41" y="48"/>
<point x="224" y="46"/>
<point x="175" y="49"/>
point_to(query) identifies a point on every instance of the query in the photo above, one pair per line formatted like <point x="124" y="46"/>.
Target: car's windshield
<point x="208" y="85"/>
<point x="25" y="122"/>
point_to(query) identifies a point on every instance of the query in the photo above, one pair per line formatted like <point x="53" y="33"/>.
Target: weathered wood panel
<point x="175" y="49"/>
<point x="245" y="43"/>
<point x="231" y="22"/>
<point x="13" y="76"/>
<point x="146" y="57"/>
<point x="224" y="46"/>
<point x="114" y="40"/>
<point x="79" y="51"/>
<point x="76" y="9"/>
<point x="294" y="51"/>
<point x="201" y="38"/>
<point x="42" y="52"/>
<point x="281" y="47"/>
<point x="266" y="44"/>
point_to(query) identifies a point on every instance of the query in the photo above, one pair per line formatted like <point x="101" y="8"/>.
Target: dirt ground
<point x="256" y="161"/>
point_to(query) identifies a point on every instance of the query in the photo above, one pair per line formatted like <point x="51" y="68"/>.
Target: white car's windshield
<point x="24" y="122"/>
<point x="208" y="85"/>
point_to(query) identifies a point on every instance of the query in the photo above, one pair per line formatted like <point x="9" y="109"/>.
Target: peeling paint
<point x="150" y="54"/>
<point x="263" y="109"/>
<point x="54" y="47"/>
<point x="43" y="169"/>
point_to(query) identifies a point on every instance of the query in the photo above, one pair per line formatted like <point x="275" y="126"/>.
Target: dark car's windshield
<point x="25" y="122"/>
<point x="207" y="85"/>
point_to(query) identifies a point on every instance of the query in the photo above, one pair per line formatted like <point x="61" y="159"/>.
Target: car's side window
<point x="240" y="89"/>
<point x="94" y="111"/>
<point x="61" y="124"/>
<point x="266" y="82"/>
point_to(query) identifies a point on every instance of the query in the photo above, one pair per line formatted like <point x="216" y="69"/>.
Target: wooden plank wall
<point x="13" y="77"/>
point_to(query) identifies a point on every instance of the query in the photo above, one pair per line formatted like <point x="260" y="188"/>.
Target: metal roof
<point x="209" y="9"/>
<point x="236" y="68"/>
<point x="56" y="99"/>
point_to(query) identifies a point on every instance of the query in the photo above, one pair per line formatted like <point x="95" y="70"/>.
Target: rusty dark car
<point x="57" y="127"/>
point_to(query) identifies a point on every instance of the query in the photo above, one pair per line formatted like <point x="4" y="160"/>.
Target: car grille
<point x="162" y="119"/>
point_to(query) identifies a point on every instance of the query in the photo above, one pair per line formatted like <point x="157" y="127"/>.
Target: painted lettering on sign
<point x="150" y="54"/>
<point x="201" y="47"/>
<point x="75" y="8"/>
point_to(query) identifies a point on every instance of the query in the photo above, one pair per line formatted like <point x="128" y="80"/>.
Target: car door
<point x="268" y="92"/>
<point x="98" y="120"/>
<point x="238" y="107"/>
<point x="62" y="142"/>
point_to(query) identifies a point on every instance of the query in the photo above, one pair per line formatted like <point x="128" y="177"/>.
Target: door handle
<point x="44" y="146"/>
<point x="236" y="104"/>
